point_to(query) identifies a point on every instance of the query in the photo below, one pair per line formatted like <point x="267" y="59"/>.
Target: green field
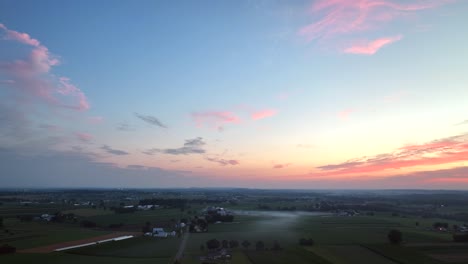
<point x="23" y="235"/>
<point x="87" y="212"/>
<point x="141" y="247"/>
<point x="62" y="258"/>
<point x="338" y="240"/>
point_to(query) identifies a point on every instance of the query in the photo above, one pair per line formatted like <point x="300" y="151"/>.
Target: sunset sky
<point x="261" y="94"/>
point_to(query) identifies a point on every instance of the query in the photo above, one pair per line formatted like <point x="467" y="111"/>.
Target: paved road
<point x="183" y="243"/>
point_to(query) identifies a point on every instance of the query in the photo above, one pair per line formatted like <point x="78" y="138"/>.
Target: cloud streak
<point x="114" y="151"/>
<point x="223" y="162"/>
<point x="370" y="48"/>
<point x="344" y="115"/>
<point x="263" y="114"/>
<point x="281" y="166"/>
<point x="124" y="127"/>
<point x="191" y="146"/>
<point x="152" y="120"/>
<point x="443" y="151"/>
<point x="84" y="137"/>
<point x="338" y="19"/>
<point x="215" y="119"/>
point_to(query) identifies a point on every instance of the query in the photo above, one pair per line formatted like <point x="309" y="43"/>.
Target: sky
<point x="317" y="94"/>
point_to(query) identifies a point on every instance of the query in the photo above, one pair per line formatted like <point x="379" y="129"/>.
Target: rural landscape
<point x="242" y="226"/>
<point x="234" y="132"/>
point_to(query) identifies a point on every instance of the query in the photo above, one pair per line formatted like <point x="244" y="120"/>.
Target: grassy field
<point x="141" y="247"/>
<point x="64" y="258"/>
<point x="138" y="218"/>
<point x="23" y="235"/>
<point x="338" y="240"/>
<point x="347" y="254"/>
<point x="292" y="255"/>
<point x="9" y="211"/>
<point x="87" y="212"/>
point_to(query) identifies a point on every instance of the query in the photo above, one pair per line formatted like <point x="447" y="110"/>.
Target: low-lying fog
<point x="277" y="219"/>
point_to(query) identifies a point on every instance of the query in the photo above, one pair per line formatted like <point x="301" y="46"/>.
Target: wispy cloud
<point x="84" y="137"/>
<point x="431" y="179"/>
<point x="32" y="77"/>
<point x="223" y="162"/>
<point x="344" y="115"/>
<point x="443" y="151"/>
<point x="281" y="166"/>
<point x="136" y="167"/>
<point x="371" y="47"/>
<point x="338" y="19"/>
<point x="215" y="119"/>
<point x="263" y="114"/>
<point x="152" y="120"/>
<point x="124" y="127"/>
<point x="114" y="151"/>
<point x="191" y="146"/>
<point x="51" y="128"/>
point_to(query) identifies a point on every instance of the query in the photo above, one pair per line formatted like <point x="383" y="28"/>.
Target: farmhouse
<point x="159" y="232"/>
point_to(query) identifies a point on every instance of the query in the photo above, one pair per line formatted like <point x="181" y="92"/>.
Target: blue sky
<point x="274" y="92"/>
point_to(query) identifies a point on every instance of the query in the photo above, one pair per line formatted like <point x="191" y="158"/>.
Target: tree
<point x="246" y="244"/>
<point x="395" y="237"/>
<point x="233" y="243"/>
<point x="276" y="246"/>
<point x="213" y="244"/>
<point x="225" y="244"/>
<point x="260" y="245"/>
<point x="147" y="228"/>
<point x="306" y="242"/>
<point x="1" y="222"/>
<point x="439" y="225"/>
<point x="202" y="247"/>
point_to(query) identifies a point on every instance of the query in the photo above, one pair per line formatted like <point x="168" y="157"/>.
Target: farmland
<point x="278" y="221"/>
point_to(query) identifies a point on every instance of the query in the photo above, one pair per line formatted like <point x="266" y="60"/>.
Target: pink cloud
<point x="346" y="18"/>
<point x="19" y="37"/>
<point x="345" y="114"/>
<point x="281" y="166"/>
<point x="263" y="114"/>
<point x="444" y="151"/>
<point x="452" y="178"/>
<point x="215" y="119"/>
<point x="85" y="137"/>
<point x="223" y="162"/>
<point x="31" y="77"/>
<point x="371" y="47"/>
